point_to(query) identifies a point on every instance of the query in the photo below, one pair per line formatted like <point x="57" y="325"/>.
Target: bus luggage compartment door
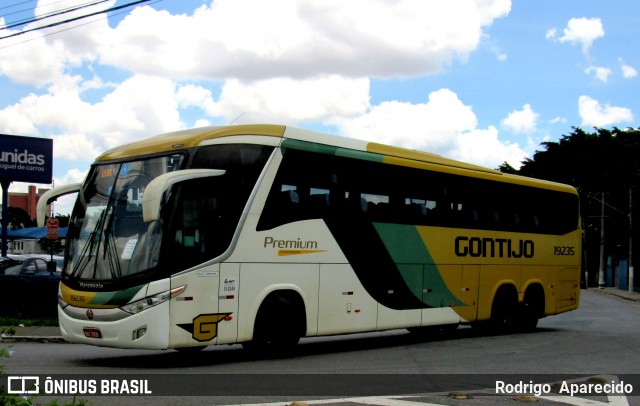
<point x="568" y="289"/>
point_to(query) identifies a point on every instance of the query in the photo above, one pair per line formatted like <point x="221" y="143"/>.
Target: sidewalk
<point x="51" y="334"/>
<point x="635" y="296"/>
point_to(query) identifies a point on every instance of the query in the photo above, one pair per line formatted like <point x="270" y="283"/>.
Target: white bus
<point x="263" y="234"/>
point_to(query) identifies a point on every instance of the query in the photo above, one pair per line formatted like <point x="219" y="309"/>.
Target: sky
<point x="482" y="81"/>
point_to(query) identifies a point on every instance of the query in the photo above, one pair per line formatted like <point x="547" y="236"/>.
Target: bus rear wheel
<point x="504" y="310"/>
<point x="531" y="309"/>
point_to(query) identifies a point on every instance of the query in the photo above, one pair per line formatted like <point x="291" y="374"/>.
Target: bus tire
<point x="279" y="324"/>
<point x="188" y="350"/>
<point x="432" y="330"/>
<point x="531" y="308"/>
<point x="504" y="310"/>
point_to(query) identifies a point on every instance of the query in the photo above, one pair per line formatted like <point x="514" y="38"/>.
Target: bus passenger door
<point x="228" y="302"/>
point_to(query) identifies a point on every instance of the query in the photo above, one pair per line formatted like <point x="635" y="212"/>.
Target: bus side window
<point x="317" y="203"/>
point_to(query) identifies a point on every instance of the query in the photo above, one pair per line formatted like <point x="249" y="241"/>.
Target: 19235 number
<point x="564" y="251"/>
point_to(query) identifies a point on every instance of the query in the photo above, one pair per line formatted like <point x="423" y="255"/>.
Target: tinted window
<point x="310" y="185"/>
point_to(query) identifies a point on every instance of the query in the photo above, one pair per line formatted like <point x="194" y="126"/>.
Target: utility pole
<point x="601" y="269"/>
<point x="5" y="215"/>
<point x="631" y="239"/>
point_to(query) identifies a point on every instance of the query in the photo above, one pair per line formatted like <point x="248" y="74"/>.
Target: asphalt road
<point x="601" y="338"/>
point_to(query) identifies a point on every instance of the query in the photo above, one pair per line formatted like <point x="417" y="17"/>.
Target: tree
<point x="603" y="162"/>
<point x="506" y="168"/>
<point x="18" y="218"/>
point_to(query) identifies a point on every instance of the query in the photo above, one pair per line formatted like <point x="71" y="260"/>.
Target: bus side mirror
<point x="155" y="190"/>
<point x="51" y="196"/>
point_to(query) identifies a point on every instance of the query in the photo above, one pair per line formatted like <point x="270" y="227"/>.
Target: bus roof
<point x="185" y="139"/>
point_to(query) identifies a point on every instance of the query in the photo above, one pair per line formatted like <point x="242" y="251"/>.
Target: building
<point x="27" y="201"/>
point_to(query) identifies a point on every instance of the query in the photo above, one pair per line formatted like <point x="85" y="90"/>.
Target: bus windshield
<point x="108" y="238"/>
<point x="108" y="241"/>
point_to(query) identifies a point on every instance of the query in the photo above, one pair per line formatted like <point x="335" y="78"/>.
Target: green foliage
<point x="5" y="398"/>
<point x="51" y="246"/>
<point x="18" y="218"/>
<point x="18" y="400"/>
<point x="601" y="162"/>
<point x="73" y="402"/>
<point x="505" y="167"/>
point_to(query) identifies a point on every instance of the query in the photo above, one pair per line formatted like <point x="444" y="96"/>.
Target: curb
<point x="39" y="339"/>
<point x="623" y="294"/>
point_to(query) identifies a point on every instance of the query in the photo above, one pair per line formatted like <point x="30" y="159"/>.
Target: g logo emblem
<point x="205" y="326"/>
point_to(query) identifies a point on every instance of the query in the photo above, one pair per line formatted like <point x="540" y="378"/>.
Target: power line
<point x="52" y="14"/>
<point x="75" y="18"/>
<point x="17" y="4"/>
<point x="26" y="9"/>
<point x="71" y="28"/>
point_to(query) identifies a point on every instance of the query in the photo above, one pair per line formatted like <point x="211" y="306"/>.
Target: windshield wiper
<point x="85" y="254"/>
<point x="110" y="252"/>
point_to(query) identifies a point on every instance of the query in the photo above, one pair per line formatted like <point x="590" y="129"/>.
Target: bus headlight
<point x="150" y="301"/>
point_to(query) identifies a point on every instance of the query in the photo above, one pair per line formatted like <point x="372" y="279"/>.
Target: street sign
<point x="52" y="229"/>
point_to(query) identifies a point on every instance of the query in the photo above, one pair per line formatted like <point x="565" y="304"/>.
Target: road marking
<point x="393" y="401"/>
<point x="611" y="400"/>
<point x="368" y="400"/>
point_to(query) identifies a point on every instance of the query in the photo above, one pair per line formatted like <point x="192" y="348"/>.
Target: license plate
<point x="92" y="332"/>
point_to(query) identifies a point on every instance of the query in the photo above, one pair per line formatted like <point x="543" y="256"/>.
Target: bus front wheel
<point x="278" y="327"/>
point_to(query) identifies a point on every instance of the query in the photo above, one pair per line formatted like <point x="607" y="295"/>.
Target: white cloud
<point x="557" y="120"/>
<point x="484" y="147"/>
<point x="35" y="62"/>
<point x="38" y="58"/>
<point x="289" y="100"/>
<point x="65" y="203"/>
<point x="74" y="147"/>
<point x="72" y="176"/>
<point x="628" y="71"/>
<point x="579" y="31"/>
<point x="599" y="72"/>
<point x="596" y="115"/>
<point x="443" y="125"/>
<point x="521" y="121"/>
<point x="81" y="130"/>
<point x="292" y="62"/>
<point x="252" y="39"/>
<point x="551" y="33"/>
